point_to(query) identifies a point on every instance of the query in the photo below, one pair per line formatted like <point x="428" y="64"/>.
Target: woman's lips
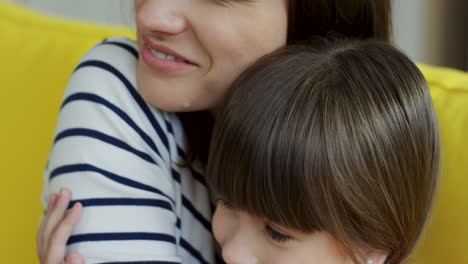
<point x="163" y="59"/>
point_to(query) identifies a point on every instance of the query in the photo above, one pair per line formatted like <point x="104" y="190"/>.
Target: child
<point x="324" y="153"/>
<point x="336" y="139"/>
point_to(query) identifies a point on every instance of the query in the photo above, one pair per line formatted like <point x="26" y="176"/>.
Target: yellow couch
<point x="446" y="239"/>
<point x="38" y="56"/>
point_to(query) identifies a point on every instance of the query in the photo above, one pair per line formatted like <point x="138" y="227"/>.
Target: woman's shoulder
<point x="115" y="46"/>
<point x="105" y="79"/>
<point x="108" y="70"/>
<point x="116" y="53"/>
<point x="119" y="56"/>
<point x="121" y="46"/>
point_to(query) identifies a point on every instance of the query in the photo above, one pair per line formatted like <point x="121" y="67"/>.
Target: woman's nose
<point x="161" y="16"/>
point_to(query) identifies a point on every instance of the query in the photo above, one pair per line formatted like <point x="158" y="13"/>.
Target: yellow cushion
<point x="39" y="54"/>
<point x="446" y="240"/>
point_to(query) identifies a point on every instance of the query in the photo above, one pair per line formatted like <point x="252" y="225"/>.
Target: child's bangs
<point x="264" y="156"/>
<point x="273" y="176"/>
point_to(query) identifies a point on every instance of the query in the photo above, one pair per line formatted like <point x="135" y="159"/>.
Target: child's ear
<point x="374" y="257"/>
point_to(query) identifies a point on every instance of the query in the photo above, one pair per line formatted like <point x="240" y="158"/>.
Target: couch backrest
<point x="39" y="54"/>
<point x="446" y="239"/>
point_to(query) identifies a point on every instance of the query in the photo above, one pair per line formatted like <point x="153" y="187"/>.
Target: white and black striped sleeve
<point x="112" y="153"/>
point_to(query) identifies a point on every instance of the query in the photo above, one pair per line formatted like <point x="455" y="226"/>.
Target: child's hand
<point x="56" y="227"/>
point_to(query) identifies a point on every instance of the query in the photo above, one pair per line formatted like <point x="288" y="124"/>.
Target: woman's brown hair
<point x="338" y="136"/>
<point x="355" y="18"/>
<point x="307" y="19"/>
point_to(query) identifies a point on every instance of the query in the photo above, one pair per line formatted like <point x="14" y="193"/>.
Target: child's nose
<point x="162" y="16"/>
<point x="239" y="251"/>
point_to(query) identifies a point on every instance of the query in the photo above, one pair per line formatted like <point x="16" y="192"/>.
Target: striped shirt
<point x="121" y="159"/>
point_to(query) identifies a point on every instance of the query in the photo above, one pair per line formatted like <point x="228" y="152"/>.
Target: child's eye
<point x="229" y="3"/>
<point x="276" y="235"/>
<point x="225" y="2"/>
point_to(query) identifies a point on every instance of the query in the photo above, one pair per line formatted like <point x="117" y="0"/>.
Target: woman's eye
<point x="276" y="235"/>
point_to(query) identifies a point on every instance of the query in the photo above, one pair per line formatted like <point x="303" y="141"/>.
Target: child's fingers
<point x="40" y="234"/>
<point x="61" y="234"/>
<point x="75" y="259"/>
<point x="56" y="214"/>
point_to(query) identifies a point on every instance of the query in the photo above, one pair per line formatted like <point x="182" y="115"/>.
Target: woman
<point x="128" y="159"/>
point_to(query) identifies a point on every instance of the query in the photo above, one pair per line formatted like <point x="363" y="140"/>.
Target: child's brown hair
<point x="338" y="136"/>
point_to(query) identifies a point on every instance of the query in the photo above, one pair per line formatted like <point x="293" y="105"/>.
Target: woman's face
<point x="249" y="240"/>
<point x="191" y="50"/>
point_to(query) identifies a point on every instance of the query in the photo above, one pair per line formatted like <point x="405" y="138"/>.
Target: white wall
<point x="433" y="31"/>
<point x="430" y="31"/>
<point x="118" y="12"/>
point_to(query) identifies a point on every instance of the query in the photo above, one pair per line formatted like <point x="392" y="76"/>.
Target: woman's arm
<point x="106" y="152"/>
